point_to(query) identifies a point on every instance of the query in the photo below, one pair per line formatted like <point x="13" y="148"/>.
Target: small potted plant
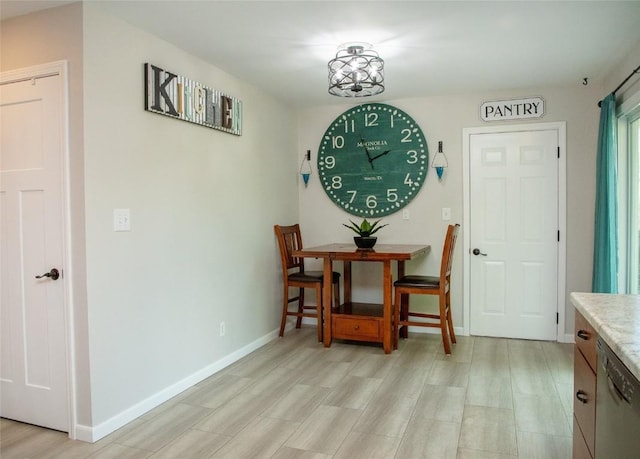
<point x="364" y="231"/>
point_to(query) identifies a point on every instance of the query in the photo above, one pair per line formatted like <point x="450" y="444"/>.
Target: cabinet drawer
<point x="356" y="328"/>
<point x="580" y="450"/>
<point x="584" y="401"/>
<point x="585" y="337"/>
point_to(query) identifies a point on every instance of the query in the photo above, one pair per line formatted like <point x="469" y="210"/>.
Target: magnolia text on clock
<point x="176" y="96"/>
<point x="373" y="144"/>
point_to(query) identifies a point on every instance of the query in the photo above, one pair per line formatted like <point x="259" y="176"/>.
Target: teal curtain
<point x="605" y="250"/>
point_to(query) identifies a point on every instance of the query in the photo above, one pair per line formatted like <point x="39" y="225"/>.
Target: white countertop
<point x="616" y="318"/>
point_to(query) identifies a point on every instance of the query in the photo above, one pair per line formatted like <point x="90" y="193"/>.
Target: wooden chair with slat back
<point x="294" y="276"/>
<point x="428" y="285"/>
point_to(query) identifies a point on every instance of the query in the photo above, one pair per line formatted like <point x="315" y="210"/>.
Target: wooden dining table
<point x="360" y="321"/>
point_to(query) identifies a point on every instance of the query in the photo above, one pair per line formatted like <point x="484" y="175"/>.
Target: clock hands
<point x="366" y="150"/>
<point x="371" y="160"/>
<point x="369" y="157"/>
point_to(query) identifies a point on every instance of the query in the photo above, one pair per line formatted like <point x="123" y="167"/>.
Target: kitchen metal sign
<point x="179" y="97"/>
<point x="512" y="109"/>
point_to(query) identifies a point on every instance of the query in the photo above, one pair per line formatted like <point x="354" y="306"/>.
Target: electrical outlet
<point x="121" y="220"/>
<point x="223" y="329"/>
<point x="405" y="214"/>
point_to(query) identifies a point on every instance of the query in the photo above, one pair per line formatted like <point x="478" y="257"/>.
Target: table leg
<point x="326" y="300"/>
<point x="387" y="302"/>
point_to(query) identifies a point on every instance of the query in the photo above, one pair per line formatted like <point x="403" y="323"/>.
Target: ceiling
<point x="430" y="48"/>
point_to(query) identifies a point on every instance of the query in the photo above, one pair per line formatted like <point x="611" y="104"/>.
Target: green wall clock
<point x="372" y="160"/>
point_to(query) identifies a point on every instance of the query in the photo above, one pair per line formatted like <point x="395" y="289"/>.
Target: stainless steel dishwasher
<point x="617" y="407"/>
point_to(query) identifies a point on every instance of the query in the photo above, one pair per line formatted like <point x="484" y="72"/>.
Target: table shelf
<point x="359" y="309"/>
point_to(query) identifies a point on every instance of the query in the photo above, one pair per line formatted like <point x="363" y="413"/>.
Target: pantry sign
<point x="512" y="109"/>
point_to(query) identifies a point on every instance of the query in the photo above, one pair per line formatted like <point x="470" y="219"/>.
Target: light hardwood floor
<point x="493" y="398"/>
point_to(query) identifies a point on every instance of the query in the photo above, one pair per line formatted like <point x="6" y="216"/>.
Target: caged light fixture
<point x="356" y="71"/>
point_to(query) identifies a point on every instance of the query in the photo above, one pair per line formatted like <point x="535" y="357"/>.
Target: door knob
<point x="53" y="274"/>
<point x="582" y="396"/>
<point x="583" y="334"/>
<point x="477" y="252"/>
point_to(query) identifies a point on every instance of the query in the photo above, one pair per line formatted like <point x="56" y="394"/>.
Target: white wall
<point x="443" y="118"/>
<point x="203" y="204"/>
<point x="619" y="73"/>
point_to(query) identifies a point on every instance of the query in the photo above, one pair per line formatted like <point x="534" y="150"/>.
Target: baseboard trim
<point x="95" y="433"/>
<point x="567" y="338"/>
<point x="83" y="433"/>
<point x="459" y="331"/>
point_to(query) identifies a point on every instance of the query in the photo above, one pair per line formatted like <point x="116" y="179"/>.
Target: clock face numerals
<point x="372" y="160"/>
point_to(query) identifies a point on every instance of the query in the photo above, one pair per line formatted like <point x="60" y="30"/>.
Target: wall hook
<point x="585" y="81"/>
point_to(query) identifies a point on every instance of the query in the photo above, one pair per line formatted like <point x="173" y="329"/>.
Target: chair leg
<point x="450" y="318"/>
<point x="404" y="315"/>
<point x="396" y="320"/>
<point x="452" y="335"/>
<point x="300" y="307"/>
<point x="443" y="324"/>
<point x="336" y="295"/>
<point x="285" y="308"/>
<point x="319" y="312"/>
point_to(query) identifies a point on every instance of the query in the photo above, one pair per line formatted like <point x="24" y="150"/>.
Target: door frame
<point x="561" y="128"/>
<point x="61" y="69"/>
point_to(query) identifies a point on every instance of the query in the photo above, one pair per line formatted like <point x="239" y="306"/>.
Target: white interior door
<point x="33" y="370"/>
<point x="513" y="238"/>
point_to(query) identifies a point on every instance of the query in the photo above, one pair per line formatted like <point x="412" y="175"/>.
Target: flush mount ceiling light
<point x="356" y="71"/>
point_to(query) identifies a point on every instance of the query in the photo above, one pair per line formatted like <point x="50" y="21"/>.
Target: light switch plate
<point x="446" y="214"/>
<point x="121" y="220"/>
<point x="405" y="214"/>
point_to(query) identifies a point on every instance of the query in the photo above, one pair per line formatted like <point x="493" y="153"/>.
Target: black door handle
<point x="53" y="274"/>
<point x="582" y="396"/>
<point x="583" y="334"/>
<point x="477" y="252"/>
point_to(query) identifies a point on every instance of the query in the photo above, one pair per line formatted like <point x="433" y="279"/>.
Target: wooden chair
<point x="295" y="276"/>
<point x="428" y="285"/>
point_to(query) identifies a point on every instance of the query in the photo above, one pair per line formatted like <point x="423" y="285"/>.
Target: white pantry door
<point x="514" y="234"/>
<point x="33" y="370"/>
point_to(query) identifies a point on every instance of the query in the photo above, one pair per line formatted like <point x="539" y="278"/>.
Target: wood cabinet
<point x="584" y="386"/>
<point x="580" y="449"/>
<point x="586" y="340"/>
